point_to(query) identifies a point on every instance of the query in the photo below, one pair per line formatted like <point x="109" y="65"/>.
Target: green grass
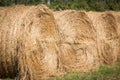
<point x="104" y="73"/>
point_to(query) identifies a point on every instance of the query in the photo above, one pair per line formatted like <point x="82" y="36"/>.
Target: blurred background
<point x="94" y="5"/>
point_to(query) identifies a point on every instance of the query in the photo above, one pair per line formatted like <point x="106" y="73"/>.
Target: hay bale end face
<point x="78" y="47"/>
<point x="106" y="28"/>
<point x="28" y="38"/>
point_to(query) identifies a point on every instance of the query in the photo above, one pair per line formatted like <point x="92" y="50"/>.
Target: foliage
<point x="96" y="5"/>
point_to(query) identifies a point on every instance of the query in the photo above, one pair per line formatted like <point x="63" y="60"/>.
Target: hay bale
<point x="78" y="41"/>
<point x="28" y="42"/>
<point x="117" y="21"/>
<point x="107" y="36"/>
<point x="88" y="39"/>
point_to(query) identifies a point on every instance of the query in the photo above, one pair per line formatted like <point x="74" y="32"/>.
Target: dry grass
<point x="106" y="28"/>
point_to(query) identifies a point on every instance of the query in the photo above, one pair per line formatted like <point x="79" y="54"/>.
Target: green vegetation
<point x="94" y="5"/>
<point x="104" y="73"/>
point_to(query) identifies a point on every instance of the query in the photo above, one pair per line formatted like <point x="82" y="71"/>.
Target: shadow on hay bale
<point x="28" y="42"/>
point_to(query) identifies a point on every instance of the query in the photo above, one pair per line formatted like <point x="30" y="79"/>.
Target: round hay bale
<point x="107" y="36"/>
<point x="117" y="21"/>
<point x="78" y="41"/>
<point x="28" y="42"/>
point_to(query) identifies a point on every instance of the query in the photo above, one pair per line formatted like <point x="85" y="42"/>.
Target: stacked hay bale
<point x="28" y="42"/>
<point x="89" y="39"/>
<point x="78" y="41"/>
<point x="107" y="36"/>
<point x="117" y="22"/>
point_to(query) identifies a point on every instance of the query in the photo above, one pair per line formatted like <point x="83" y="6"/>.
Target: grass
<point x="104" y="73"/>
